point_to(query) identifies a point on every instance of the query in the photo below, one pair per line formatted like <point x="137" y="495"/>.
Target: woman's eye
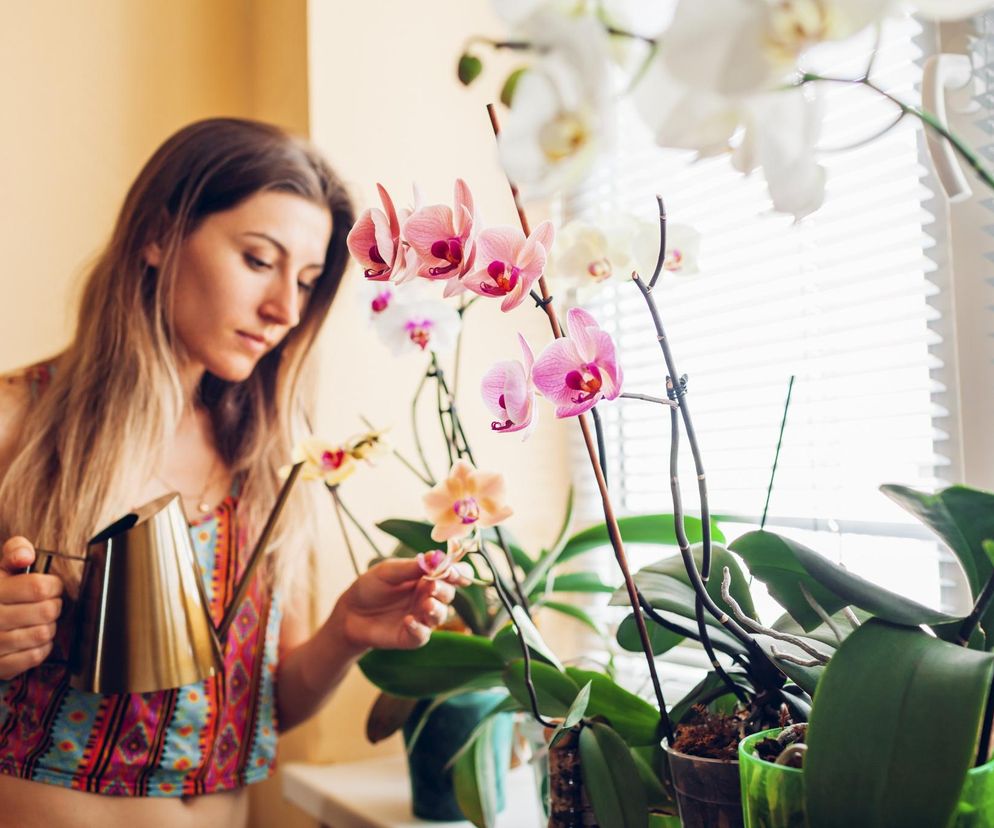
<point x="256" y="263"/>
<point x="306" y="287"/>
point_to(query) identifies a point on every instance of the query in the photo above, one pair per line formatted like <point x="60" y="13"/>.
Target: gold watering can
<point x="142" y="622"/>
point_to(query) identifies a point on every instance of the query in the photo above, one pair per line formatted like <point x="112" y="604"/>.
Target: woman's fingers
<point x="26" y="638"/>
<point x="31" y="588"/>
<point x="13" y="664"/>
<point x="16" y="554"/>
<point x="15" y="616"/>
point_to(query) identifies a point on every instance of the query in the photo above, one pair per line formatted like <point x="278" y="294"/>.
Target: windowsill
<point x="375" y="793"/>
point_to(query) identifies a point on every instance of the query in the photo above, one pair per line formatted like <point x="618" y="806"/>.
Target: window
<point x="847" y="300"/>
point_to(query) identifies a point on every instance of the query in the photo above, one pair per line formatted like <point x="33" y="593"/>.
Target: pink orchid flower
<point x="508" y="263"/>
<point x="436" y="564"/>
<point x="466" y="499"/>
<point x="374" y="240"/>
<point x="577" y="371"/>
<point x="507" y="391"/>
<point x="441" y="240"/>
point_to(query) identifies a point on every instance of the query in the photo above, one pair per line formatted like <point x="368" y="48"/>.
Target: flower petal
<point x="550" y="369"/>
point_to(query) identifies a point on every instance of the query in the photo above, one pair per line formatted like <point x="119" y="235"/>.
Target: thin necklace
<point x="203" y="506"/>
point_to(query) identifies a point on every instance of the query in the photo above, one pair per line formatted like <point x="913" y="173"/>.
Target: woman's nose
<point x="282" y="304"/>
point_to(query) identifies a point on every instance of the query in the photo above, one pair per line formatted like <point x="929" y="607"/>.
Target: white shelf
<point x="376" y="793"/>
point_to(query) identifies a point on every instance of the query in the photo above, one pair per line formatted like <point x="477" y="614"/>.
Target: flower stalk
<point x="614" y="532"/>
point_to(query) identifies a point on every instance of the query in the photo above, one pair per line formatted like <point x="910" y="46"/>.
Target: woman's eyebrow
<point x="279" y="246"/>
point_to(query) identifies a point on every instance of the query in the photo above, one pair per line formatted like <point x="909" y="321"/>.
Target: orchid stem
<point x="525" y="652"/>
<point x="466" y="451"/>
<point x="614" y="532"/>
<point x="927" y="118"/>
<point x="647" y="398"/>
<point x="776" y="454"/>
<point x="414" y="426"/>
<point x="601" y="447"/>
<point x="345" y="534"/>
<point x="340" y="504"/>
<point x="407" y="463"/>
<point x="979" y="608"/>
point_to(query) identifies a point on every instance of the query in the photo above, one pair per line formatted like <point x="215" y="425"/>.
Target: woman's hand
<point x="392" y="606"/>
<point x="29" y="607"/>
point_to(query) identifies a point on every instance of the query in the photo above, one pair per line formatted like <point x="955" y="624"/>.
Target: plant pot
<point x="446" y="730"/>
<point x="707" y="791"/>
<point x="773" y="795"/>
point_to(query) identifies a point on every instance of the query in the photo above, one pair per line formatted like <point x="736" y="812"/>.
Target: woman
<point x="186" y="374"/>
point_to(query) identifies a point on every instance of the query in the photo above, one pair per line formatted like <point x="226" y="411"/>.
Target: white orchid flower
<point x="776" y="131"/>
<point x="562" y="113"/>
<point x="415" y="320"/>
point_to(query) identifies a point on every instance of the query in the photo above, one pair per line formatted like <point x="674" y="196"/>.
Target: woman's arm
<point x="390" y="606"/>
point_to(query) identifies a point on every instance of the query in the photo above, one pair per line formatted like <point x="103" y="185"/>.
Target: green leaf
<point x="573" y="612"/>
<point x="474" y="778"/>
<point x="573" y="715"/>
<point x="576" y="582"/>
<point x="894" y="729"/>
<point x="469" y="68"/>
<point x="470" y="604"/>
<point x="447" y="662"/>
<point x="507" y="643"/>
<point x="823" y="633"/>
<point x="510" y="84"/>
<point x="963" y="518"/>
<point x="635" y="719"/>
<point x="555" y="691"/>
<point x="783" y="565"/>
<point x="387" y="716"/>
<point x="518" y="555"/>
<point x="530" y="634"/>
<point x="660" y="638"/>
<point x="708" y="690"/>
<point x="611" y="779"/>
<point x="720" y="558"/>
<point x="415" y="534"/>
<point x="674" y="596"/>
<point x="638" y="529"/>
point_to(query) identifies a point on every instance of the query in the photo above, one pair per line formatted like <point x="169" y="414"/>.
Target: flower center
<point x="673" y="260"/>
<point x="505" y="278"/>
<point x="587" y="381"/>
<point x="797" y="24"/>
<point x="332" y="459"/>
<point x="374" y="255"/>
<point x="419" y="331"/>
<point x="467" y="510"/>
<point x="435" y="558"/>
<point x="381" y="301"/>
<point x="562" y="136"/>
<point x="599" y="269"/>
<point x="449" y="251"/>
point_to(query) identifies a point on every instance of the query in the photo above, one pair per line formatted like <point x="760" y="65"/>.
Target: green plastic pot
<point x="773" y="795"/>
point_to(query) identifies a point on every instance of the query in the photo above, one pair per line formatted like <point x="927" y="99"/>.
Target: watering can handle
<point x="257" y="553"/>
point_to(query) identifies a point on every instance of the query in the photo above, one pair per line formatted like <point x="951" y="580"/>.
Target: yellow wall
<point x="90" y="89"/>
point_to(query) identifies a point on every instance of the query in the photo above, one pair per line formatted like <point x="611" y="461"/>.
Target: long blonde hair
<point x="95" y="435"/>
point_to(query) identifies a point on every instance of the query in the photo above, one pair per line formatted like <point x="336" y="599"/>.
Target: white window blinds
<point x="844" y="300"/>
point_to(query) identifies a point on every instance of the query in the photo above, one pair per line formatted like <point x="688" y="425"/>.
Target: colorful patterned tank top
<point x="212" y="736"/>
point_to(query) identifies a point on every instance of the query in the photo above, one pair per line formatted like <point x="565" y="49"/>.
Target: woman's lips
<point x="253" y="342"/>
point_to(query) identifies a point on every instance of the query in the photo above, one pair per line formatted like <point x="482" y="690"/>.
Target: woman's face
<point x="244" y="278"/>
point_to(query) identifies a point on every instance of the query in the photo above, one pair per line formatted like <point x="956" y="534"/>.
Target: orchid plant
<point x="747" y="93"/>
